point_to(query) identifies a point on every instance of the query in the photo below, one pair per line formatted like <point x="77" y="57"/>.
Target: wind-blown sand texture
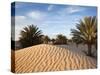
<point x="44" y="57"/>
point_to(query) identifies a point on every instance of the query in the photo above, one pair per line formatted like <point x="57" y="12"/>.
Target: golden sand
<point x="45" y="57"/>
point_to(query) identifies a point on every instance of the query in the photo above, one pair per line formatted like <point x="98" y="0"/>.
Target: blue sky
<point x="52" y="19"/>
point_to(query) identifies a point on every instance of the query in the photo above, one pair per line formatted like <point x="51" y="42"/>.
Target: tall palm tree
<point x="30" y="35"/>
<point x="86" y="32"/>
<point x="61" y="39"/>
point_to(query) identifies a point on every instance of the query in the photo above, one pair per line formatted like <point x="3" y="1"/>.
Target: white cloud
<point x="17" y="20"/>
<point x="20" y="17"/>
<point x="50" y="7"/>
<point x="34" y="14"/>
<point x="74" y="9"/>
<point x="71" y="10"/>
<point x="20" y="20"/>
<point x="55" y="22"/>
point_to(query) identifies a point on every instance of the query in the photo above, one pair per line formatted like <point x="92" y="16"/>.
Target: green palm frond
<point x="86" y="29"/>
<point x="30" y="35"/>
<point x="86" y="32"/>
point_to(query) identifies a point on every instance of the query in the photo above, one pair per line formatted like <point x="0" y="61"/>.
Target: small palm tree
<point x="86" y="32"/>
<point x="61" y="39"/>
<point x="53" y="40"/>
<point x="30" y="35"/>
<point x="76" y="39"/>
<point x="46" y="39"/>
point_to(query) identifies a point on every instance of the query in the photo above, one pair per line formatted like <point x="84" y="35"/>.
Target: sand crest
<point x="45" y="57"/>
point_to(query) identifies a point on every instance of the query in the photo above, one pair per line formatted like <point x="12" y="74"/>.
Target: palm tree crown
<point x="45" y="39"/>
<point x="61" y="39"/>
<point x="86" y="32"/>
<point x="30" y="35"/>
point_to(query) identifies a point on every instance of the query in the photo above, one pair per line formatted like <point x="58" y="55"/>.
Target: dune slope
<point x="44" y="57"/>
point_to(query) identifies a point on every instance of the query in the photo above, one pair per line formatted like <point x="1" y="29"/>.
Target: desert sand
<point x="45" y="57"/>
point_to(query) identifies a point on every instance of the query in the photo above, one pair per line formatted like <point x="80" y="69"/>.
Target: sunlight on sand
<point x="45" y="57"/>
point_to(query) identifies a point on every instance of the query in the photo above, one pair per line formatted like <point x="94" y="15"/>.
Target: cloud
<point x="74" y="9"/>
<point x="55" y="22"/>
<point x="70" y="10"/>
<point x="17" y="20"/>
<point x="36" y="15"/>
<point x="50" y="7"/>
<point x="20" y="20"/>
<point x="20" y="17"/>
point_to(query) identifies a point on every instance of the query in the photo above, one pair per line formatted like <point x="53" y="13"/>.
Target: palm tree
<point x="46" y="39"/>
<point x="53" y="40"/>
<point x="86" y="32"/>
<point x="76" y="39"/>
<point x="30" y="35"/>
<point x="61" y="39"/>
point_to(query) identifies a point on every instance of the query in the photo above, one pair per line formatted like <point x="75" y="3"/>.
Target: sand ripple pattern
<point x="44" y="57"/>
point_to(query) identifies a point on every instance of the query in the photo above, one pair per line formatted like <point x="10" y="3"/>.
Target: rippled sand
<point x="45" y="57"/>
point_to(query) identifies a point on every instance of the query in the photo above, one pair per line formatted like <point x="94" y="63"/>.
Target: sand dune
<point x="44" y="57"/>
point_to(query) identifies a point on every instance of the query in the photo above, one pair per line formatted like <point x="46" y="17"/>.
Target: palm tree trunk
<point x="89" y="49"/>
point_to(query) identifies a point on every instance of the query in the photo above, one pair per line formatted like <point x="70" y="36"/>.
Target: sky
<point x="52" y="19"/>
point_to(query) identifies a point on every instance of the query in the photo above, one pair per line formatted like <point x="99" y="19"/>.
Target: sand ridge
<point x="43" y="57"/>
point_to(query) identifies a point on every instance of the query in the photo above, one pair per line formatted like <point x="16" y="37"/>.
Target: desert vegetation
<point x="30" y="35"/>
<point x="45" y="39"/>
<point x="60" y="39"/>
<point x="86" y="33"/>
